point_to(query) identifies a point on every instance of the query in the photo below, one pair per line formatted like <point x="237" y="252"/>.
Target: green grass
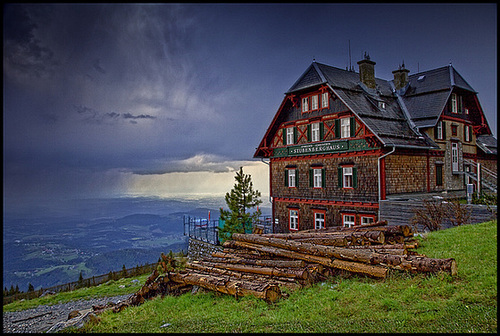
<point x="400" y="303"/>
<point x="108" y="289"/>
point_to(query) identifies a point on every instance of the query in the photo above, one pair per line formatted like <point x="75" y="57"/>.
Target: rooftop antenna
<point x="350" y="66"/>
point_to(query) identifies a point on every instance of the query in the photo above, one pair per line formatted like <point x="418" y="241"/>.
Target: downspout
<point x="270" y="192"/>
<point x="380" y="177"/>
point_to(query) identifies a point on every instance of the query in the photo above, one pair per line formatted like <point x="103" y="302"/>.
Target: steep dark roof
<point x="418" y="105"/>
<point x="427" y="93"/>
<point x="390" y="125"/>
<point x="487" y="143"/>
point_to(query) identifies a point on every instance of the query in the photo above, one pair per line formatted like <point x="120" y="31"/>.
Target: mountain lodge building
<point x="342" y="141"/>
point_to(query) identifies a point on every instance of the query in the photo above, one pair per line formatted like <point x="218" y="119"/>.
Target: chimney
<point x="367" y="71"/>
<point x="400" y="77"/>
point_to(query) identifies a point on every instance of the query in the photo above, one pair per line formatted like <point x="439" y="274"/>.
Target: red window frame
<point x="348" y="214"/>
<point x="324" y="217"/>
<point x="366" y="216"/>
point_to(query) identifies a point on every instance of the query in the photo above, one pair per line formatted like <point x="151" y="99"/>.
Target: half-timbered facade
<point x="341" y="141"/>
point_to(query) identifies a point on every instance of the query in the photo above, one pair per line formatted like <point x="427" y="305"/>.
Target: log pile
<point x="263" y="264"/>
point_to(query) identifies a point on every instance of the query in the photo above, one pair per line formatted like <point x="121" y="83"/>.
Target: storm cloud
<point x="96" y="95"/>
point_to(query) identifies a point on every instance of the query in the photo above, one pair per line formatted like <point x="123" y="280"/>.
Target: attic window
<point x="421" y="78"/>
<point x="381" y="105"/>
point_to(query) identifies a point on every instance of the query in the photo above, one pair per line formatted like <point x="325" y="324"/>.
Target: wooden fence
<point x="87" y="282"/>
<point x="402" y="212"/>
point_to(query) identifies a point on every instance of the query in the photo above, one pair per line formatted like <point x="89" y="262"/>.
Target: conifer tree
<point x="239" y="200"/>
<point x="31" y="288"/>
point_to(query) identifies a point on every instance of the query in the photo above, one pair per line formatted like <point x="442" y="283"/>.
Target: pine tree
<point x="124" y="271"/>
<point x="31" y="288"/>
<point x="239" y="200"/>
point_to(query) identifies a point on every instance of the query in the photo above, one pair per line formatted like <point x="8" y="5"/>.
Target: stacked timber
<point x="262" y="264"/>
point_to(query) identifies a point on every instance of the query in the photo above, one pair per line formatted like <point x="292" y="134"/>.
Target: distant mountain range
<point x="51" y="245"/>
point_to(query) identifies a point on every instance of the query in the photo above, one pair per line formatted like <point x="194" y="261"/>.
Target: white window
<point x="454" y="157"/>
<point x="315" y="136"/>
<point x="345" y="125"/>
<point x="347" y="177"/>
<point x="289" y="135"/>
<point x="314" y="102"/>
<point x="291" y="178"/>
<point x="439" y="128"/>
<point x="319" y="220"/>
<point x="381" y="105"/>
<point x="466" y="110"/>
<point x="324" y="99"/>
<point x="349" y="220"/>
<point x="367" y="220"/>
<point x="317" y="173"/>
<point x="305" y="104"/>
<point x="294" y="219"/>
<point x="467" y="133"/>
<point x="454" y="103"/>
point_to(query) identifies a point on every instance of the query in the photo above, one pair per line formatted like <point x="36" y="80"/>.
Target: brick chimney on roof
<point x="367" y="71"/>
<point x="400" y="77"/>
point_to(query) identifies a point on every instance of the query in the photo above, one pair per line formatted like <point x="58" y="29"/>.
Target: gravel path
<point x="41" y="318"/>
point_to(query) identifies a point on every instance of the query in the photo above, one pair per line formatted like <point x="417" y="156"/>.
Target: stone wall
<point x="198" y="249"/>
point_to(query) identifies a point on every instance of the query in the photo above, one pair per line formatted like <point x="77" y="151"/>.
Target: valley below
<point x="52" y="245"/>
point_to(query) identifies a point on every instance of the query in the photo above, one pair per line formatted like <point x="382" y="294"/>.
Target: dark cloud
<point x="141" y="116"/>
<point x="106" y="90"/>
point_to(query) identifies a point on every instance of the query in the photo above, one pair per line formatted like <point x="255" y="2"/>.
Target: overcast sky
<point x="159" y="99"/>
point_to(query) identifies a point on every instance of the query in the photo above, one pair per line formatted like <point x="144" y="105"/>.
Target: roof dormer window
<point x="381" y="105"/>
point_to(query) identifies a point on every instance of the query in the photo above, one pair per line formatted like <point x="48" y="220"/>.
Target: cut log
<point x="329" y="241"/>
<point x="370" y="270"/>
<point x="299" y="273"/>
<point x="360" y="255"/>
<point x="234" y="259"/>
<point x="404" y="230"/>
<point x="292" y="284"/>
<point x="343" y="228"/>
<point x="267" y="291"/>
<point x="420" y="264"/>
<point x="318" y="250"/>
<point x="383" y="247"/>
<point x="377" y="236"/>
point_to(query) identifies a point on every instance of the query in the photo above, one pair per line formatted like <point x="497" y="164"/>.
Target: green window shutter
<point x="354" y="177"/>
<point x="309" y="133"/>
<point x="340" y="175"/>
<point x="286" y="177"/>
<point x="337" y="128"/>
<point x="352" y="124"/>
<point x="470" y="133"/>
<point x="311" y="178"/>
<point x="284" y="136"/>
<point x="321" y="131"/>
<point x="444" y="129"/>
<point x="439" y="175"/>
<point x="323" y="179"/>
<point x="296" y="178"/>
<point x="435" y="132"/>
<point x="295" y="135"/>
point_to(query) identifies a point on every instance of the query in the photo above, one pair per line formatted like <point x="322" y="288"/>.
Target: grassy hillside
<point x="400" y="303"/>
